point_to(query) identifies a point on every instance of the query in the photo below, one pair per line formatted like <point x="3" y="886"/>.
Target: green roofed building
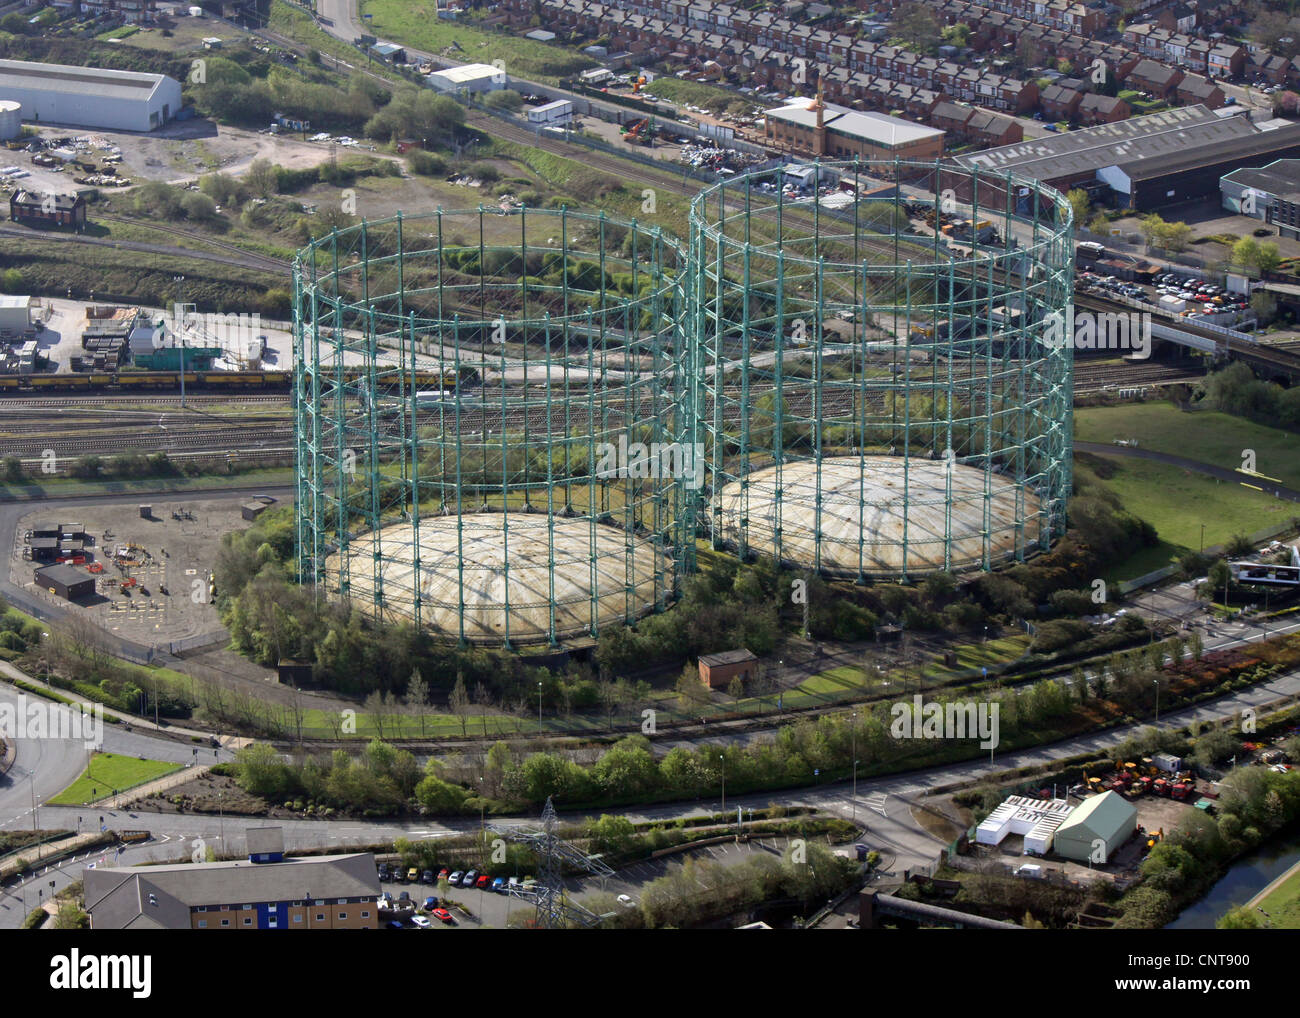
<point x="1103" y="823"/>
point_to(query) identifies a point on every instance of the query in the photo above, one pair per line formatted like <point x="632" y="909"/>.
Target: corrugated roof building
<point x="90" y="96"/>
<point x="1147" y="162"/>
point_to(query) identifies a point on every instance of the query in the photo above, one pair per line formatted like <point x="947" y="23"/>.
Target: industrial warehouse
<point x="90" y="96"/>
<point x="1145" y="163"/>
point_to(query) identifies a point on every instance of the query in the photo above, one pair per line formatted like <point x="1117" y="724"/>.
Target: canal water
<point x="1247" y="877"/>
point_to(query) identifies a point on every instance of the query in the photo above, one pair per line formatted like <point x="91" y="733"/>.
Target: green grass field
<point x="1283" y="903"/>
<point x="108" y="771"/>
<point x="416" y="24"/>
<point x="697" y="93"/>
<point x="847" y="680"/>
<point x="1176" y="502"/>
<point x="1203" y="435"/>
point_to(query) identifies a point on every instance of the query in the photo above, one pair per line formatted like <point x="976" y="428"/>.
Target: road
<point x="885" y="804"/>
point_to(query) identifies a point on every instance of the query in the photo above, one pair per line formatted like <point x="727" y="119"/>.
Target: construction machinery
<point x="639" y="133"/>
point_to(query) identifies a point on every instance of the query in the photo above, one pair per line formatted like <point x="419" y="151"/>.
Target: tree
<point x="374" y="706"/>
<point x="1171" y="237"/>
<point x="1217" y="578"/>
<point x="504" y="99"/>
<point x="459" y="702"/>
<point x="70" y="917"/>
<point x="1078" y="199"/>
<point x="1239" y="918"/>
<point x="1264" y="304"/>
<point x="611" y="835"/>
<point x="1099" y="224"/>
<point x="1286" y="104"/>
<point x="1216" y="747"/>
<point x="261" y="178"/>
<point x="736" y="688"/>
<point x="691" y="692"/>
<point x="1254" y="258"/>
<point x="957" y="35"/>
<point x="917" y="26"/>
<point x="417" y="697"/>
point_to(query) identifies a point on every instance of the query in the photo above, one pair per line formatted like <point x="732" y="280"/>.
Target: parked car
<point x="482" y="881"/>
<point x="430" y="903"/>
<point x="454" y="879"/>
<point x="420" y="922"/>
<point x="499" y="885"/>
<point x="404" y="899"/>
<point x="444" y="873"/>
<point x="442" y="915"/>
<point x="396" y="924"/>
<point x="412" y="874"/>
<point x="468" y="879"/>
<point x="383" y="871"/>
<point x="426" y="877"/>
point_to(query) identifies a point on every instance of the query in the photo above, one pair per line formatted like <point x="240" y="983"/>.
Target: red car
<point x="444" y="873"/>
<point x="482" y="881"/>
<point x="441" y="914"/>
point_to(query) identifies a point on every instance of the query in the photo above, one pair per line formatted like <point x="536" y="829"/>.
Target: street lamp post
<point x="539" y="704"/>
<point x="1156" y="683"/>
<point x="723" y="760"/>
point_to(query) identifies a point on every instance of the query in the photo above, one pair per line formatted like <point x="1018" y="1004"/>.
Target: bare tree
<point x="460" y="704"/>
<point x="610" y="697"/>
<point x="374" y="705"/>
<point x="417" y="696"/>
<point x="483" y="700"/>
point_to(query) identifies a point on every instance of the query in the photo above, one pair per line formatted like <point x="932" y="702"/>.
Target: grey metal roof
<point x="875" y="127"/>
<point x="100" y="81"/>
<point x="1281" y="177"/>
<point x="1250" y="147"/>
<point x="1119" y="144"/>
<point x="118" y="898"/>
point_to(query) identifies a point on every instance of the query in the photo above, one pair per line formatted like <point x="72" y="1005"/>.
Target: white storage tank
<point x="11" y="119"/>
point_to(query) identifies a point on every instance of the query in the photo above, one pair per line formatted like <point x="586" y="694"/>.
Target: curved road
<point x="883" y="804"/>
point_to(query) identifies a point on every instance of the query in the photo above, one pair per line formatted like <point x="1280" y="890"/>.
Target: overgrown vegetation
<point x="1254" y="804"/>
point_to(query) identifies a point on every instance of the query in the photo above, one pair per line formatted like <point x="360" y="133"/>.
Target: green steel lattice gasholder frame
<point x="815" y="352"/>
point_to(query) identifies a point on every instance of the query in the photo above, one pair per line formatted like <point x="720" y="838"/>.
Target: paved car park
<point x="1177" y="293"/>
<point x="495" y="910"/>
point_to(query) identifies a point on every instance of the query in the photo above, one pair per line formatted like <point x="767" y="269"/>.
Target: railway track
<point x="258" y="261"/>
<point x="16" y="403"/>
<point x="146" y="442"/>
